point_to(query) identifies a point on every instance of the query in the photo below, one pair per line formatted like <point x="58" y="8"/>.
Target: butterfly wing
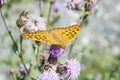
<point x="65" y="35"/>
<point x="42" y="36"/>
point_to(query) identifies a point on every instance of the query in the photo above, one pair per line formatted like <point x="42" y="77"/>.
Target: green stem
<point x="72" y="45"/>
<point x="81" y="24"/>
<point x="9" y="32"/>
<point x="49" y="13"/>
<point x="84" y="18"/>
<point x="14" y="77"/>
<point x="21" y="39"/>
<point x="36" y="53"/>
<point x="21" y="58"/>
<point x="36" y="50"/>
<point x="71" y="48"/>
<point x="21" y="54"/>
<point x="40" y="6"/>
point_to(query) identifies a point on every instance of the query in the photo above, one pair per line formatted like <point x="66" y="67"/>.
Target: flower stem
<point x="36" y="53"/>
<point x="14" y="77"/>
<point x="21" y="40"/>
<point x="9" y="32"/>
<point x="82" y="22"/>
<point x="49" y="13"/>
<point x="21" y="58"/>
<point x="40" y="6"/>
<point x="21" y="54"/>
<point x="71" y="48"/>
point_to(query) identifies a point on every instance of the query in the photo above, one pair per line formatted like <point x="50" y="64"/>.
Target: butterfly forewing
<point x="41" y="36"/>
<point x="65" y="35"/>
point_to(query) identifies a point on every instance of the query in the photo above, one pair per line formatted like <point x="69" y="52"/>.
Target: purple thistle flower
<point x="48" y="76"/>
<point x="23" y="70"/>
<point x="72" y="4"/>
<point x="57" y="6"/>
<point x="40" y="22"/>
<point x="35" y="24"/>
<point x="1" y="3"/>
<point x="73" y="68"/>
<point x="56" y="50"/>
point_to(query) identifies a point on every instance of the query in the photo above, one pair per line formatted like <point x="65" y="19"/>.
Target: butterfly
<point x="57" y="36"/>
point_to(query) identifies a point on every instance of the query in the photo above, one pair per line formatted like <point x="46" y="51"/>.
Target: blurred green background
<point x="99" y="39"/>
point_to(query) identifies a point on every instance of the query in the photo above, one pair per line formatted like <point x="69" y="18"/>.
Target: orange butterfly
<point x="57" y="36"/>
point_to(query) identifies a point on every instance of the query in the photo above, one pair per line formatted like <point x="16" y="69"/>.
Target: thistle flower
<point x="35" y="25"/>
<point x="56" y="50"/>
<point x="23" y="70"/>
<point x="48" y="76"/>
<point x="23" y="18"/>
<point x="1" y="3"/>
<point x="73" y="4"/>
<point x="57" y="6"/>
<point x="73" y="68"/>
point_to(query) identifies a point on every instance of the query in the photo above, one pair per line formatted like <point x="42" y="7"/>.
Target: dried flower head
<point x="24" y="16"/>
<point x="49" y="67"/>
<point x="43" y="57"/>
